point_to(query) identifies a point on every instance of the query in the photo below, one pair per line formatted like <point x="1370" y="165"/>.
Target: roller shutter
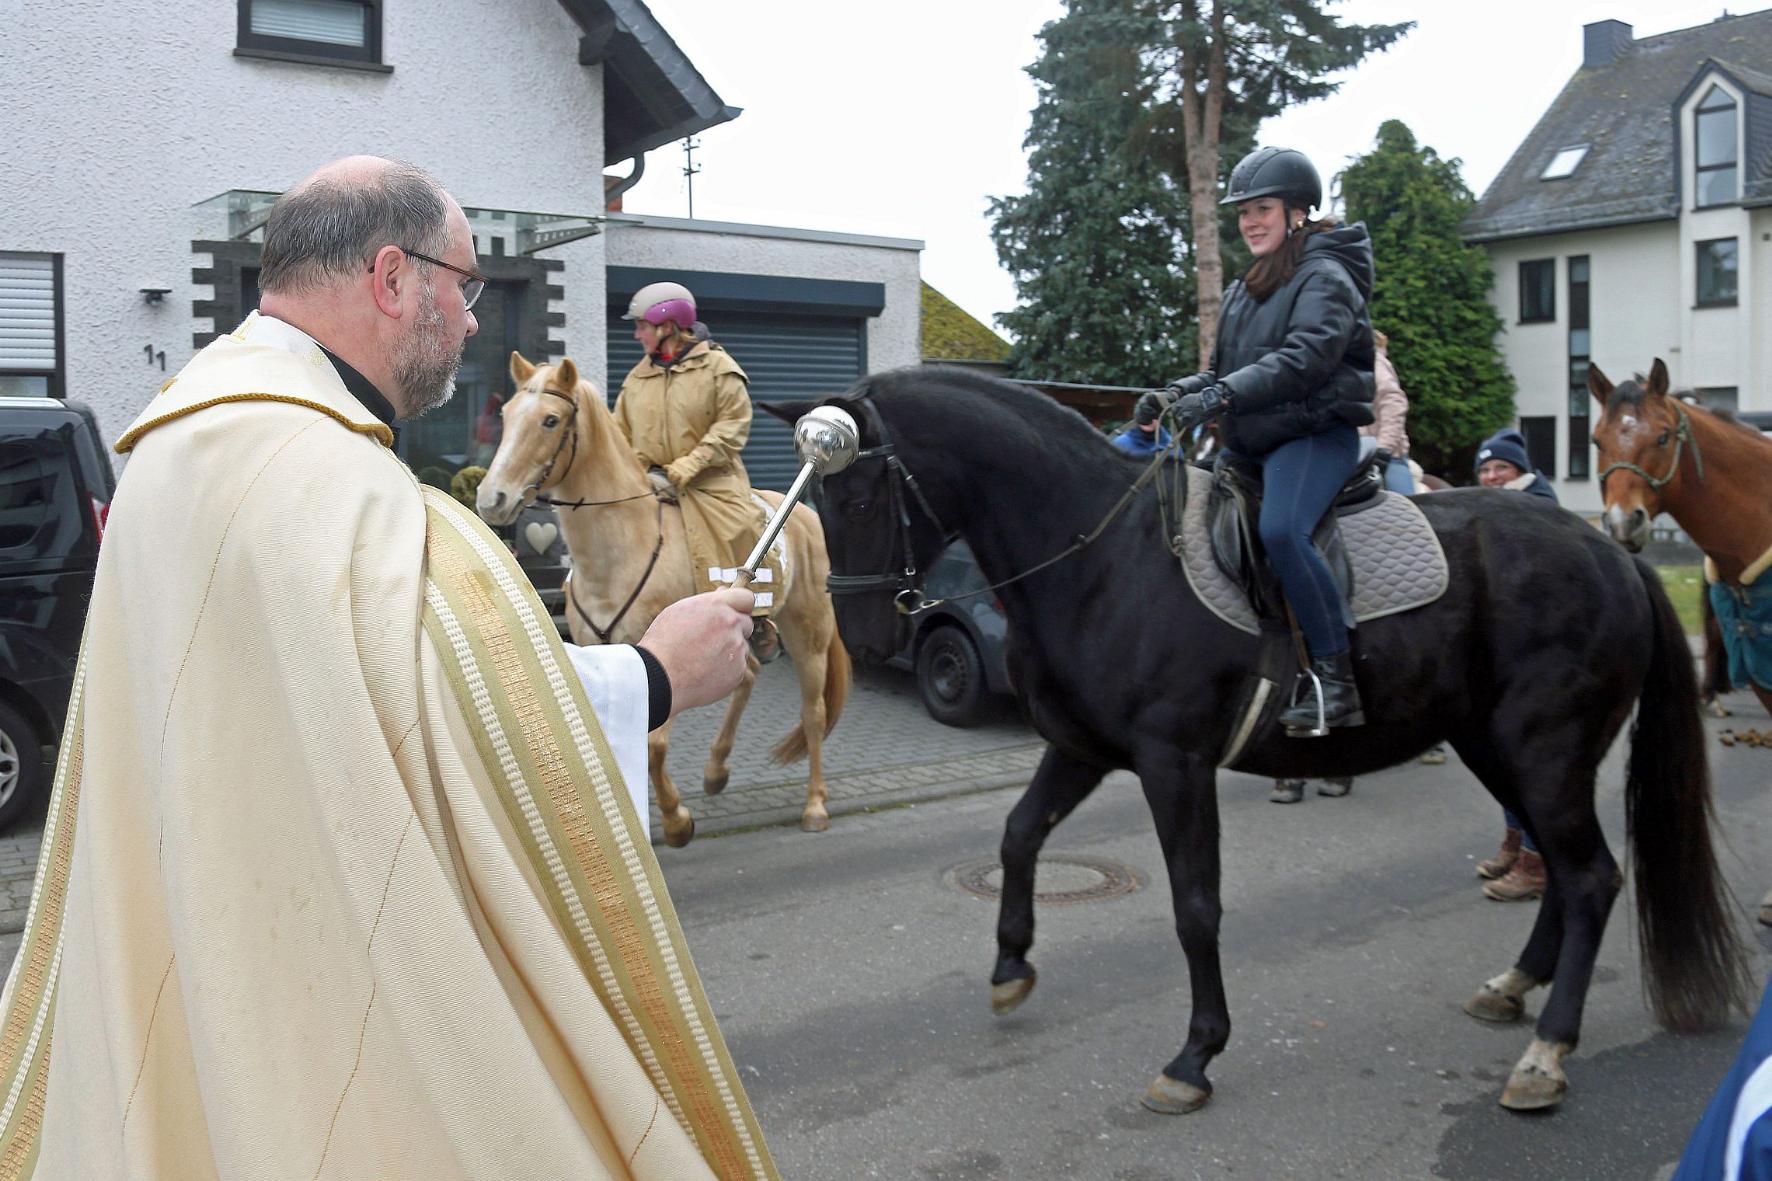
<point x="27" y="313"/>
<point x="787" y="357"/>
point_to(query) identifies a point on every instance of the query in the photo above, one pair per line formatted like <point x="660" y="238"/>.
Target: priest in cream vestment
<point x="340" y="876"/>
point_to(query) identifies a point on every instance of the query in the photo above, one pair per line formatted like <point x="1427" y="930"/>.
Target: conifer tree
<point x="1092" y="244"/>
<point x="1431" y="297"/>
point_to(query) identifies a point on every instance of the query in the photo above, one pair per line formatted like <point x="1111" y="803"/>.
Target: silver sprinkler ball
<point x="826" y="438"/>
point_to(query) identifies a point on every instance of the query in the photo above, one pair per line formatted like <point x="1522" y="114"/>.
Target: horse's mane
<point x="1014" y="410"/>
<point x="1632" y="393"/>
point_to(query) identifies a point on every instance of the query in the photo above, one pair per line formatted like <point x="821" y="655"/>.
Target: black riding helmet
<point x="1275" y="172"/>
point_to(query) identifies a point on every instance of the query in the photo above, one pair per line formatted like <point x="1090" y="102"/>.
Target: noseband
<point x="1682" y="436"/>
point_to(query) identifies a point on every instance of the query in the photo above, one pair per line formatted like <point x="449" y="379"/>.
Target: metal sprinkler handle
<point x="826" y="440"/>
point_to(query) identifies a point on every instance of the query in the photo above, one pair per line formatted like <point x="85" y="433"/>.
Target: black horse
<point x="1529" y="665"/>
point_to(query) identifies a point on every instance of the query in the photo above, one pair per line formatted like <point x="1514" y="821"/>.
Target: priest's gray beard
<point x="427" y="363"/>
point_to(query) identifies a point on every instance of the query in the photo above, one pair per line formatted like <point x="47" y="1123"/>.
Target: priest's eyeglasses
<point x="470" y="291"/>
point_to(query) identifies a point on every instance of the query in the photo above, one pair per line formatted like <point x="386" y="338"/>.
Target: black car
<point x="55" y="490"/>
<point x="957" y="647"/>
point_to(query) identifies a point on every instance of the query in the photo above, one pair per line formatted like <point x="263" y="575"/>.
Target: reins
<point x="603" y="633"/>
<point x="909" y="598"/>
<point x="1682" y="436"/>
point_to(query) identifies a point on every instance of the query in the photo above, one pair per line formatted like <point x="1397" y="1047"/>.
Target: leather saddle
<point x="1233" y="509"/>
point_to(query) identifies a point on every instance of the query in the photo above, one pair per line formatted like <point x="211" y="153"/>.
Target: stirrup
<point x="1321" y="729"/>
<point x="765" y="639"/>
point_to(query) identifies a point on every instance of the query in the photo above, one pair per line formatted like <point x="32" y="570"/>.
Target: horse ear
<point x="521" y="369"/>
<point x="788" y="412"/>
<point x="1598" y="384"/>
<point x="1657" y="379"/>
<point x="567" y="373"/>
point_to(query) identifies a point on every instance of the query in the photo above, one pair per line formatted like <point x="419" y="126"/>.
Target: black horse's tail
<point x="1695" y="969"/>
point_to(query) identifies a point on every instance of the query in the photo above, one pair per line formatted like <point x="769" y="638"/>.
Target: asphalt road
<point x="851" y="978"/>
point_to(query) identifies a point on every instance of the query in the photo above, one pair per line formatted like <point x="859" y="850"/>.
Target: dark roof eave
<point x="641" y="59"/>
<point x="1477" y="237"/>
<point x="622" y="150"/>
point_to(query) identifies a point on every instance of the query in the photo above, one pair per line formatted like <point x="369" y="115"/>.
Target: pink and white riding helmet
<point x="657" y="302"/>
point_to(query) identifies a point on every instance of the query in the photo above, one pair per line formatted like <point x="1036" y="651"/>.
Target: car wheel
<point x="950" y="677"/>
<point x="22" y="767"/>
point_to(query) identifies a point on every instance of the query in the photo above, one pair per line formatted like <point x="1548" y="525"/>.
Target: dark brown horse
<point x="1713" y="475"/>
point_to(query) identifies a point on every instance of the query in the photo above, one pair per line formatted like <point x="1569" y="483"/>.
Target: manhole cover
<point x="1061" y="878"/>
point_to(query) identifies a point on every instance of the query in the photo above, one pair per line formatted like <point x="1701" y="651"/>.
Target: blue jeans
<point x="1299" y="481"/>
<point x="1398" y="477"/>
<point x="1513" y="821"/>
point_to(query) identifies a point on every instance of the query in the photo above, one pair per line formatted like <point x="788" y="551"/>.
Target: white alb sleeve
<point x="614" y="678"/>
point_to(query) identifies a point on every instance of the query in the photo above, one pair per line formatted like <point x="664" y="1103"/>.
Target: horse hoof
<point x="676" y="838"/>
<point x="1718" y="710"/>
<point x="1168" y="1096"/>
<point x="713" y="785"/>
<point x="1490" y="1005"/>
<point x="1007" y="996"/>
<point x="817" y="823"/>
<point x="1533" y="1092"/>
<point x="1537" y="1081"/>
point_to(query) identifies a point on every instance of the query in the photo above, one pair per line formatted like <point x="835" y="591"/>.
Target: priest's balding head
<point x="373" y="259"/>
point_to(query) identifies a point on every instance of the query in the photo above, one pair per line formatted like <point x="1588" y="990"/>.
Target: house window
<point x="1719" y="397"/>
<point x="1580" y="352"/>
<point x="1538" y="290"/>
<point x="1716" y="273"/>
<point x="31" y="325"/>
<point x="1713" y="150"/>
<point x="1541" y="443"/>
<point x="344" y="30"/>
<point x="1564" y="163"/>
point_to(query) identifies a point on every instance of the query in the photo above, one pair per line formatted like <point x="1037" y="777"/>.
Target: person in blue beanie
<point x="1502" y="462"/>
<point x="1141" y="440"/>
<point x="1733" y="1139"/>
<point x="1516" y="872"/>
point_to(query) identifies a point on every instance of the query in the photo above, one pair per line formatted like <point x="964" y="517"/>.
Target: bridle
<point x="570" y="421"/>
<point x="907" y="584"/>
<point x="1682" y="436"/>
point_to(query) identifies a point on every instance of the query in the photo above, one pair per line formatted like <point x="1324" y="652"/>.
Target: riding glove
<point x="1153" y="403"/>
<point x="661" y="485"/>
<point x="1192" y="409"/>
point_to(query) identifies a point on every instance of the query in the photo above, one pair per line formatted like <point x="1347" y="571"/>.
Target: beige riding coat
<point x="692" y="420"/>
<point x="339" y="878"/>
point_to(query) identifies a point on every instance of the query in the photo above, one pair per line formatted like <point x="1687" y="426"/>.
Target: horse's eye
<point x="858" y="510"/>
<point x="1596" y="440"/>
<point x="551" y="421"/>
<point x="1662" y="441"/>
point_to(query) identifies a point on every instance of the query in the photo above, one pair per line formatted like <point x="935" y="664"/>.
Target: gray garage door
<point x="788" y="357"/>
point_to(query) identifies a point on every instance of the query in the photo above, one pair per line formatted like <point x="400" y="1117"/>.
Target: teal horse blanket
<point x="1745" y="615"/>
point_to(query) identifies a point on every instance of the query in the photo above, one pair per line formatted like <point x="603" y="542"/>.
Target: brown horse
<point x="630" y="560"/>
<point x="1713" y="475"/>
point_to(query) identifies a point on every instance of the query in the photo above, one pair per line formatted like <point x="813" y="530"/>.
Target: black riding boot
<point x="1340" y="704"/>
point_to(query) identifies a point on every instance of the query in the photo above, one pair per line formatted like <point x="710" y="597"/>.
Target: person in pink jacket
<point x="1390" y="410"/>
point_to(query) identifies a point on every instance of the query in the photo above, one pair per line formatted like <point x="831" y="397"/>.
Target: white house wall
<point x="1634" y="310"/>
<point x="120" y="116"/>
<point x="1717" y="342"/>
<point x="893" y="337"/>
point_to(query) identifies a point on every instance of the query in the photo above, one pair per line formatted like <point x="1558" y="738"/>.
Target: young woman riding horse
<point x="1291" y="380"/>
<point x="1714" y="477"/>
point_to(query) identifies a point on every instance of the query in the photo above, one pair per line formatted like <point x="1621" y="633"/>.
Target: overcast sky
<point x="902" y="119"/>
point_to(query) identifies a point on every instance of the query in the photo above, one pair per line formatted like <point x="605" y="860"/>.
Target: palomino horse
<point x="1712" y="475"/>
<point x="1120" y="665"/>
<point x="630" y="561"/>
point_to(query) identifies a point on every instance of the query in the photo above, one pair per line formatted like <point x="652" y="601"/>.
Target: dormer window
<point x="1714" y="172"/>
<point x="1564" y="163"/>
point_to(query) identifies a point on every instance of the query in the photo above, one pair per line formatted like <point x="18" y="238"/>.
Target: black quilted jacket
<point x="1301" y="361"/>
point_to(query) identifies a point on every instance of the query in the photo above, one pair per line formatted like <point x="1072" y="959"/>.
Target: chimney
<point x="1603" y="43"/>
